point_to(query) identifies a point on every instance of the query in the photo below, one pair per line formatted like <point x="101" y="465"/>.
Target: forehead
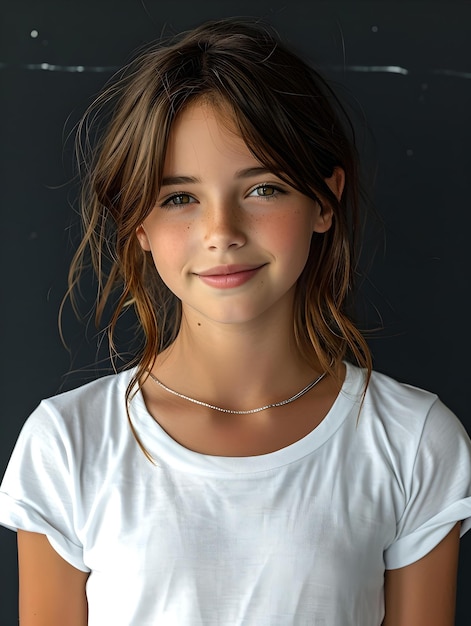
<point x="203" y="129"/>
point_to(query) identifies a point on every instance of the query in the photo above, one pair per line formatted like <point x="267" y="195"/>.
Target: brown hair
<point x="293" y="123"/>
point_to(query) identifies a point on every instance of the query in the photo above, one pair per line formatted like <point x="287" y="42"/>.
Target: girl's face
<point x="227" y="236"/>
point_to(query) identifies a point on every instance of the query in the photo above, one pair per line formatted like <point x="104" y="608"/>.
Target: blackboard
<point x="408" y="67"/>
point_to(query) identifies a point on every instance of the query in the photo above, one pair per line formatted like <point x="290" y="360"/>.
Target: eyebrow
<point x="247" y="172"/>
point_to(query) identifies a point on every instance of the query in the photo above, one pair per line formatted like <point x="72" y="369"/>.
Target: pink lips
<point x="228" y="276"/>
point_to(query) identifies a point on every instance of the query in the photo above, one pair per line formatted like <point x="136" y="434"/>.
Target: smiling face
<point x="228" y="237"/>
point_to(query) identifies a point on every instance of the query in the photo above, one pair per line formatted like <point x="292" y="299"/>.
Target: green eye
<point x="179" y="199"/>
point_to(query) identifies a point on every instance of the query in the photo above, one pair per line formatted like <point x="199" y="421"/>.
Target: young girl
<point x="249" y="468"/>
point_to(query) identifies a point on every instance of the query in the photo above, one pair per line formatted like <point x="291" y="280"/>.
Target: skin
<point x="51" y="591"/>
<point x="227" y="215"/>
<point x="424" y="593"/>
<point x="232" y="339"/>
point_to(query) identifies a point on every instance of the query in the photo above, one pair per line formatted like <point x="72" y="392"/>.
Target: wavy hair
<point x="292" y="122"/>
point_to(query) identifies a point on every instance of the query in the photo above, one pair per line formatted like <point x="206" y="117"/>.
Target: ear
<point x="336" y="184"/>
<point x="142" y="238"/>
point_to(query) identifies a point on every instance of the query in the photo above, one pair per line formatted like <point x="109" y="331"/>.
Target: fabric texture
<point x="297" y="537"/>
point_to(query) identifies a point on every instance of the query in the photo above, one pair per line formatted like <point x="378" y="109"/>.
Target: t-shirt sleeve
<point x="439" y="492"/>
<point x="38" y="491"/>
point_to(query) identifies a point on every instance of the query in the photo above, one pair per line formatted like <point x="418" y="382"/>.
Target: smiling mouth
<point x="224" y="270"/>
<point x="228" y="276"/>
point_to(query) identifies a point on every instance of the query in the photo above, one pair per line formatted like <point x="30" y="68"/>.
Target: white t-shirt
<point x="297" y="537"/>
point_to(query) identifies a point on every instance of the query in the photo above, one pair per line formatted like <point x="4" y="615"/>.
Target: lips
<point x="228" y="276"/>
<point x="224" y="270"/>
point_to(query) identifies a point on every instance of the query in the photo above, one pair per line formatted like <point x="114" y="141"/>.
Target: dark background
<point x="408" y="67"/>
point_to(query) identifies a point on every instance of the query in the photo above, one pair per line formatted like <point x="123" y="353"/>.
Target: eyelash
<point x="180" y="194"/>
<point x="277" y="191"/>
<point x="168" y="202"/>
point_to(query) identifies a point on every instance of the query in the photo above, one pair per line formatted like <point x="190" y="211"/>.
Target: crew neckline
<point x="164" y="449"/>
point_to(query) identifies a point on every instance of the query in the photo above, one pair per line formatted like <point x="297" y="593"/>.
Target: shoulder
<point x="400" y="405"/>
<point x="405" y="418"/>
<point x="81" y="417"/>
<point x="420" y="451"/>
<point x="98" y="395"/>
<point x="385" y="393"/>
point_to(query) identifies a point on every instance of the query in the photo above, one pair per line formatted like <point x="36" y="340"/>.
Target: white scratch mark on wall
<point x="453" y="73"/>
<point x="389" y="69"/>
<point x="378" y="69"/>
<point x="50" y="67"/>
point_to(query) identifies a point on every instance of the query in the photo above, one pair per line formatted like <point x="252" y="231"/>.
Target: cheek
<point x="169" y="241"/>
<point x="174" y="250"/>
<point x="289" y="234"/>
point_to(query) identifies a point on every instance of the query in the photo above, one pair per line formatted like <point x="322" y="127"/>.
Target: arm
<point x="424" y="593"/>
<point x="52" y="592"/>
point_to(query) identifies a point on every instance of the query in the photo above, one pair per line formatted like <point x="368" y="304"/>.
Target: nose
<point x="224" y="227"/>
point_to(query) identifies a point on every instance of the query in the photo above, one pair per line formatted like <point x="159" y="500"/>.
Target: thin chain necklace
<point x="262" y="408"/>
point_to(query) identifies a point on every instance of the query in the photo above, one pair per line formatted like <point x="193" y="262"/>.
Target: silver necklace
<point x="262" y="408"/>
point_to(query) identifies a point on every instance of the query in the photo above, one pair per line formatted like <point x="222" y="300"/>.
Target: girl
<point x="249" y="468"/>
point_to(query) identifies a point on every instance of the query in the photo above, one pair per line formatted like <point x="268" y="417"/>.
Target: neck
<point x="235" y="366"/>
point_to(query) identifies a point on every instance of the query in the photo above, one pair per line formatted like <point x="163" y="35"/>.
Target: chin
<point x="230" y="314"/>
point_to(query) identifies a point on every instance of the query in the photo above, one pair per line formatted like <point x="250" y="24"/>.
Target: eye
<point x="178" y="199"/>
<point x="265" y="191"/>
